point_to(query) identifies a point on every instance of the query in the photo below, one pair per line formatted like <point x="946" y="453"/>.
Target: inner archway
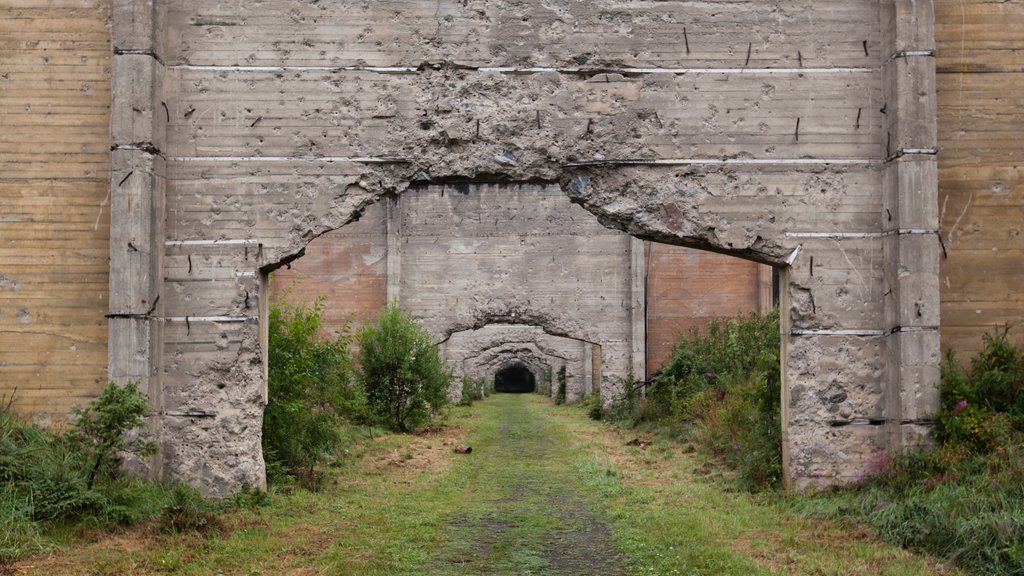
<point x="515" y="379"/>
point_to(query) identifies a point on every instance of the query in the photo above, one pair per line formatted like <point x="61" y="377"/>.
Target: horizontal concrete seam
<point x="328" y="159"/>
<point x="248" y="242"/>
<point x="878" y="422"/>
<point x="861" y="332"/>
<point x="724" y="161"/>
<point x="138" y="52"/>
<point x="911" y="152"/>
<point x="913" y="329"/>
<point x="853" y="235"/>
<point x="580" y="164"/>
<point x="146" y="147"/>
<point x="190" y="319"/>
<point x="521" y="70"/>
<point x="912" y="54"/>
<point x="677" y="71"/>
<point x="835" y="332"/>
<point x="197" y="414"/>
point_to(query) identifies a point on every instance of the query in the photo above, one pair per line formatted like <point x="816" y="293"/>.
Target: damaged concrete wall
<point x="475" y="255"/>
<point x="54" y="206"/>
<point x="794" y="133"/>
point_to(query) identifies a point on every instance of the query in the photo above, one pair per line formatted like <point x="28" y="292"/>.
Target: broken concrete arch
<point x="221" y="171"/>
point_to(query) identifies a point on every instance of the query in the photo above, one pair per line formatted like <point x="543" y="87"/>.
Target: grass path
<point x="545" y="491"/>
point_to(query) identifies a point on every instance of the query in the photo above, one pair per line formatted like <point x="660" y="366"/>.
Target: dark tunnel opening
<point x="515" y="379"/>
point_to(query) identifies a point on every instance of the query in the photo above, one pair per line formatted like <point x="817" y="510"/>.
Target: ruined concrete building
<point x="519" y="172"/>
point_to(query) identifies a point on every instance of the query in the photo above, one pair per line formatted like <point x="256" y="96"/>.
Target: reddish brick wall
<point x="349" y="266"/>
<point x="688" y="288"/>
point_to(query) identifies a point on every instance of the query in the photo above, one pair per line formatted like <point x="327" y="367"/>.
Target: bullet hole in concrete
<point x="515" y="379"/>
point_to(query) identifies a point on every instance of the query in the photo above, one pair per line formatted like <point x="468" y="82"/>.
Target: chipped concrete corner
<point x="798" y="134"/>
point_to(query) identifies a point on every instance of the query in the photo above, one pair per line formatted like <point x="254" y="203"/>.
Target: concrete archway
<point x="225" y="165"/>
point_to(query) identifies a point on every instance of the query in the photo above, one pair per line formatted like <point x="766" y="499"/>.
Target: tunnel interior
<point x="515" y="379"/>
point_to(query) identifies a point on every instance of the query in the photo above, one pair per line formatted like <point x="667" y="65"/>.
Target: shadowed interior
<point x="515" y="379"/>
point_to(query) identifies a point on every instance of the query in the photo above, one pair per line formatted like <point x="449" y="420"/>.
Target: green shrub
<point x="406" y="381"/>
<point x="984" y="407"/>
<point x="595" y="409"/>
<point x="562" y="383"/>
<point x="100" y="430"/>
<point x="544" y="386"/>
<point x="722" y="388"/>
<point x="45" y="486"/>
<point x="313" y="396"/>
<point x="473" y="389"/>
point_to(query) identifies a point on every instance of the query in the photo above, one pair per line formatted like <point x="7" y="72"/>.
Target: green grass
<point x="545" y="491"/>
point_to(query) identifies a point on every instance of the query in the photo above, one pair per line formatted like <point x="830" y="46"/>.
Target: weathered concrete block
<point x="820" y="455"/>
<point x="136" y="231"/>
<point x="908" y="25"/>
<point x="911" y="104"/>
<point x="133" y="25"/>
<point x="836" y="283"/>
<point x="909" y="194"/>
<point x="912" y="279"/>
<point x="834" y="379"/>
<point x="138" y="116"/>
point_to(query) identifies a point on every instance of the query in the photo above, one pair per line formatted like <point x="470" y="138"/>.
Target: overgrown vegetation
<point x="544" y="386"/>
<point x="721" y="391"/>
<point x="313" y="395"/>
<point x="54" y="484"/>
<point x="562" y="383"/>
<point x="473" y="389"/>
<point x="405" y="380"/>
<point x="319" y="394"/>
<point x="963" y="499"/>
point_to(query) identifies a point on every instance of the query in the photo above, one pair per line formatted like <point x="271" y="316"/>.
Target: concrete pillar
<point x="638" y="308"/>
<point x="765" y="297"/>
<point x="910" y="221"/>
<point x="138" y="125"/>
<point x="394" y="217"/>
<point x="588" y="366"/>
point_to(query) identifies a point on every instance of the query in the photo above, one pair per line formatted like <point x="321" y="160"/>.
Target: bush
<point x="312" y="394"/>
<point x="722" y="388"/>
<point x="100" y="429"/>
<point x="544" y="386"/>
<point x="473" y="389"/>
<point x="562" y="382"/>
<point x="406" y="381"/>
<point x="983" y="408"/>
<point x="51" y="482"/>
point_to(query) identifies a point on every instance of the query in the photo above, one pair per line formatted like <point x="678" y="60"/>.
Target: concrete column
<point x="638" y="308"/>
<point x="765" y="300"/>
<point x="138" y="125"/>
<point x="910" y="221"/>
<point x="588" y="367"/>
<point x="394" y="217"/>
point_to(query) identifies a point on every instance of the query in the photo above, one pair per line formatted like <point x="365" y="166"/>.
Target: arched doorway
<point x="515" y="379"/>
